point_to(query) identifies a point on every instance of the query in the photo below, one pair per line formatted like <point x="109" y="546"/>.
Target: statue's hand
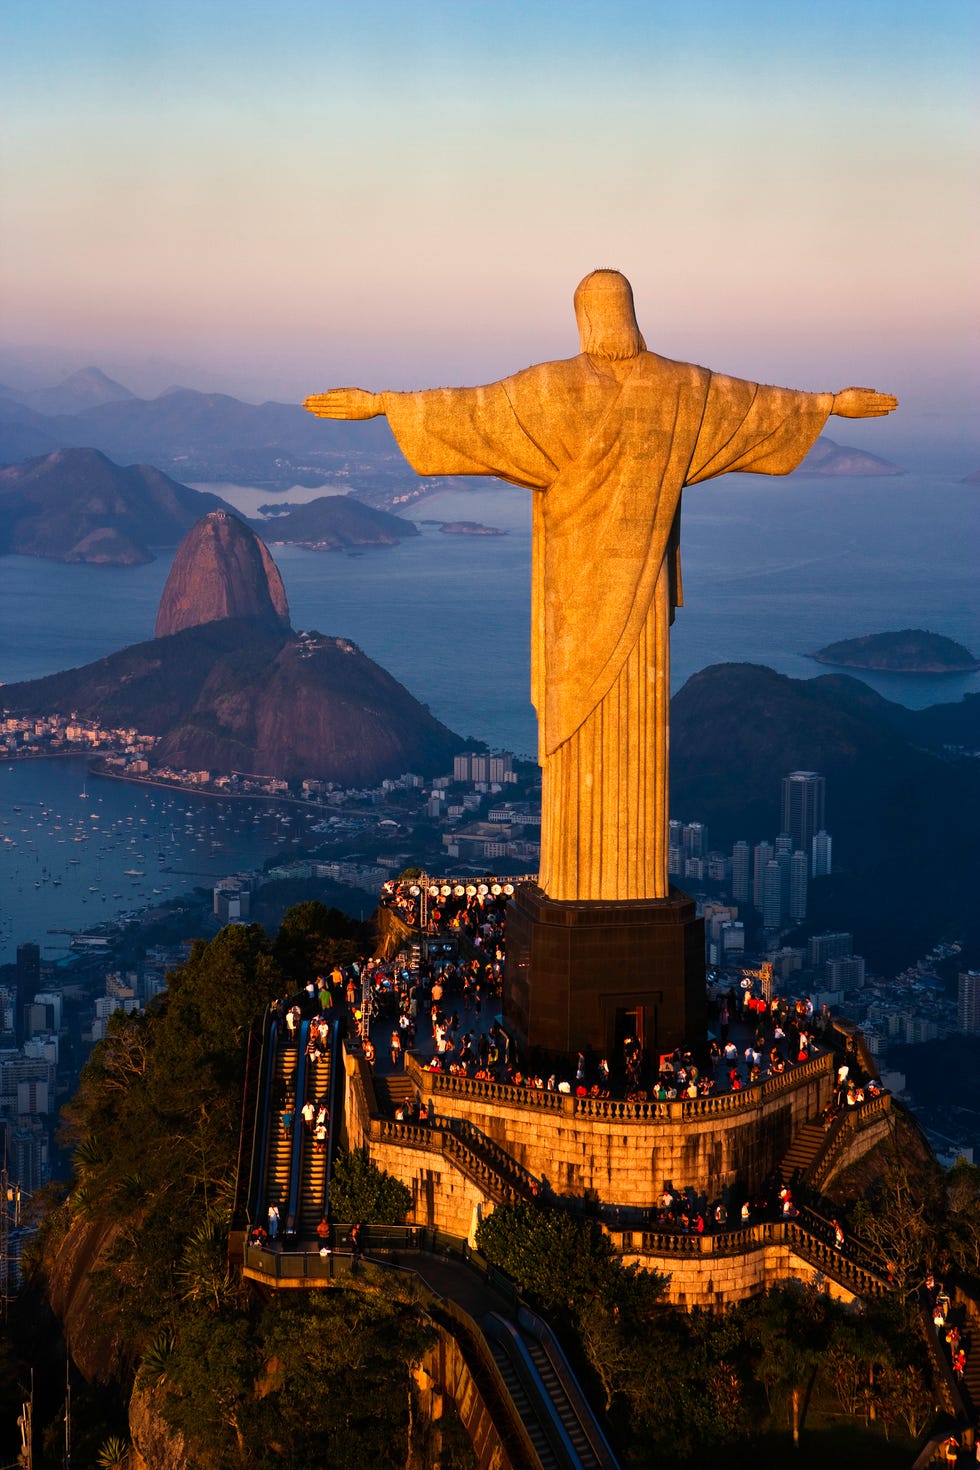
<point x="344" y="403"/>
<point x="862" y="403"/>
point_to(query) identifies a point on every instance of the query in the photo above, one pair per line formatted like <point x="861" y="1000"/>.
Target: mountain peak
<point x="221" y="570"/>
<point x="89" y="387"/>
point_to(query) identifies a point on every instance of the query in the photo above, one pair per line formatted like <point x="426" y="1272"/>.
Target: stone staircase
<point x="802" y="1152"/>
<point x="393" y="1091"/>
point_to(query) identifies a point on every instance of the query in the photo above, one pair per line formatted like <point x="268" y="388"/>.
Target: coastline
<point x="925" y="670"/>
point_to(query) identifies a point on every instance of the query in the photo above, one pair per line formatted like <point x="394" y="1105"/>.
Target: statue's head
<point x="605" y="315"/>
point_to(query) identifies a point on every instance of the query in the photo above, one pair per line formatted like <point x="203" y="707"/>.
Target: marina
<point x="74" y="856"/>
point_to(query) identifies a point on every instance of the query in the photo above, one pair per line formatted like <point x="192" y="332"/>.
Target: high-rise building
<point x="732" y="939"/>
<point x="479" y="768"/>
<point x="675" y="848"/>
<point x="8" y="1016"/>
<point x="845" y="972"/>
<point x="824" y="947"/>
<point x="28" y="968"/>
<point x="968" y="1002"/>
<point x="761" y="857"/>
<point x="741" y="872"/>
<point x="461" y="766"/>
<point x="695" y="841"/>
<point x="821" y="850"/>
<point x="500" y="766"/>
<point x="772" y="895"/>
<point x="804" y="794"/>
<point x="799" y="869"/>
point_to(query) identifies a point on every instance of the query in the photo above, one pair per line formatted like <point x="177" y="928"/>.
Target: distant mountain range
<point x="211" y="437"/>
<point x="902" y="807"/>
<point x="76" y="505"/>
<point x="198" y="436"/>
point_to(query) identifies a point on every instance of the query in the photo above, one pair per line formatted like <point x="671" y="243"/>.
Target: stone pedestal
<point x="590" y="974"/>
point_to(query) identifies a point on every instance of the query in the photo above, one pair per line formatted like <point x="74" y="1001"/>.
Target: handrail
<point x="334" y="1112"/>
<point x="317" y="1269"/>
<point x="441" y="1141"/>
<point x="256" y="1183"/>
<point x="531" y="1323"/>
<point x="800" y="1237"/>
<point x="846" y="1125"/>
<point x="498" y="1158"/>
<point x="541" y="1401"/>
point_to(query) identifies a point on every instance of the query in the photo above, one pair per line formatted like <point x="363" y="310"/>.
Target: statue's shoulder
<point x="569" y="368"/>
<point x="654" y="368"/>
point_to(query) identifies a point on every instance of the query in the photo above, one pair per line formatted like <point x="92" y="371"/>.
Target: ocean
<point x="773" y="570"/>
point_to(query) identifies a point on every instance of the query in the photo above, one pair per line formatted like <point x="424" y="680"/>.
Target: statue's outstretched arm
<point x="345" y="403"/>
<point x="863" y="403"/>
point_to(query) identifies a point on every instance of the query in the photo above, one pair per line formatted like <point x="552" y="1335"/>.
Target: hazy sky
<point x="274" y="197"/>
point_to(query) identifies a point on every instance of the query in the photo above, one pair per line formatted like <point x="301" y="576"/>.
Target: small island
<point x="469" y="528"/>
<point x="908" y="651"/>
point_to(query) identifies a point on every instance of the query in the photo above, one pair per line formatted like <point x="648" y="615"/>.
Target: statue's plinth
<point x="591" y="974"/>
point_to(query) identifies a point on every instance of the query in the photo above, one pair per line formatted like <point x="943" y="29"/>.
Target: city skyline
<point x="261" y="202"/>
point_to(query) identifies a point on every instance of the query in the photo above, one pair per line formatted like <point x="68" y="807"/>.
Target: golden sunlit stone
<point x="608" y="439"/>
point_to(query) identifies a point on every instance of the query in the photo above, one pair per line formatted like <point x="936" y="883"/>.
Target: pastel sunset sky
<point x="270" y="198"/>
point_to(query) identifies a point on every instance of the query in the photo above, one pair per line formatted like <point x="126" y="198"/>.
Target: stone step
<point x="802" y="1151"/>
<point x="393" y="1091"/>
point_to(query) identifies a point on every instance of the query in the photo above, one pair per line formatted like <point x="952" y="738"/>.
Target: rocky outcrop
<point x="155" y="1446"/>
<point x="70" y="1269"/>
<point x="221" y="570"/>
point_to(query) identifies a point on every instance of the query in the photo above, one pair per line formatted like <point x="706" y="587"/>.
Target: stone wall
<point x="442" y="1196"/>
<point x="721" y="1281"/>
<point x="627" y="1153"/>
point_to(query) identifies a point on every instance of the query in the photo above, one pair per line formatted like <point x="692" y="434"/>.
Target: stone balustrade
<point x="617" y="1110"/>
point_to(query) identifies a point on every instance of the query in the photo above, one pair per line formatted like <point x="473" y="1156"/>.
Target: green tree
<point x="312" y="939"/>
<point x="359" y="1190"/>
<point x="963" y="1202"/>
<point x="790" y="1331"/>
<point x="303" y="1380"/>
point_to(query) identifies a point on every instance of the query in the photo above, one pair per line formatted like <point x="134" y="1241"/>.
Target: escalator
<point x="281" y="1094"/>
<point x="312" y="1202"/>
<point x="532" y="1415"/>
<point x="552" y="1407"/>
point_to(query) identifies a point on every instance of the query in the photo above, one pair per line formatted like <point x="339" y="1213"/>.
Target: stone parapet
<point x="626" y="1153"/>
<point x="720" y="1270"/>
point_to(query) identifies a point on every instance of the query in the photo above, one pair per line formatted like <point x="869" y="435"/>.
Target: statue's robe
<point x="609" y="447"/>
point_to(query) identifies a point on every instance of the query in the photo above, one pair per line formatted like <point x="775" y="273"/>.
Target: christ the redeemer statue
<point x="607" y="440"/>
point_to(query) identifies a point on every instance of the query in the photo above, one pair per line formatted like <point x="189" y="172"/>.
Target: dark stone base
<point x="584" y="975"/>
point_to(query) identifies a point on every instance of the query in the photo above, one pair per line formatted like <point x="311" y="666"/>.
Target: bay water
<point x="773" y="570"/>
